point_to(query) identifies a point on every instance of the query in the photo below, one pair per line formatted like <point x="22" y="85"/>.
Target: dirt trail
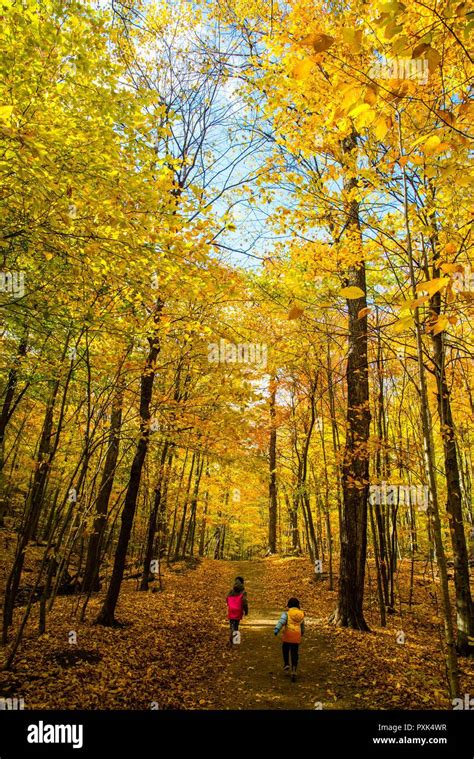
<point x="254" y="678"/>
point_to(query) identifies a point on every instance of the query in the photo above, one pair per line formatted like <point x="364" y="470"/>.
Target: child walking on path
<point x="237" y="606"/>
<point x="292" y="620"/>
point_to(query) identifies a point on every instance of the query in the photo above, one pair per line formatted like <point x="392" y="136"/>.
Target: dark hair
<point x="239" y="579"/>
<point x="293" y="603"/>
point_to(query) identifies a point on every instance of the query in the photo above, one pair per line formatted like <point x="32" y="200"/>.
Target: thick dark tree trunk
<point x="464" y="605"/>
<point x="107" y="613"/>
<point x="355" y="467"/>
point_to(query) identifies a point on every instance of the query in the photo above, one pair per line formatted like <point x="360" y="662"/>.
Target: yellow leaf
<point x="433" y="286"/>
<point x="418" y="301"/>
<point x="402" y="324"/>
<point x="464" y="180"/>
<point x="350" y="96"/>
<point x="431" y="145"/>
<point x="450" y="268"/>
<point x="382" y="125"/>
<point x="303" y="68"/>
<point x="351" y="293"/>
<point x="363" y="312"/>
<point x="365" y="119"/>
<point x="358" y="109"/>
<point x="352" y="37"/>
<point x="5" y="113"/>
<point x="400" y="46"/>
<point x="440" y="325"/>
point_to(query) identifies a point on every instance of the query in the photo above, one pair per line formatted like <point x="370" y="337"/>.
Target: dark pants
<point x="290" y="650"/>
<point x="234" y="626"/>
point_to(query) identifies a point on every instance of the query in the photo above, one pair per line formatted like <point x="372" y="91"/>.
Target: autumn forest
<point x="236" y="294"/>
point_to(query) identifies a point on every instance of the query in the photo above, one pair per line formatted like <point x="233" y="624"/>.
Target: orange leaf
<point x="319" y="42"/>
<point x="295" y="312"/>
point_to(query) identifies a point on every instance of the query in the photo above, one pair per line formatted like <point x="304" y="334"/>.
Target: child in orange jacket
<point x="292" y="620"/>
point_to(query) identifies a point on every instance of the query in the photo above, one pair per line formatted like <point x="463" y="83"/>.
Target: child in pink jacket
<point x="237" y="606"/>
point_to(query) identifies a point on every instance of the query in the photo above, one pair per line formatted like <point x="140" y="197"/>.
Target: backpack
<point x="292" y="631"/>
<point x="235" y="605"/>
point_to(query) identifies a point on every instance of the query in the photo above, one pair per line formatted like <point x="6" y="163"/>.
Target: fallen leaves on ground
<point x="171" y="654"/>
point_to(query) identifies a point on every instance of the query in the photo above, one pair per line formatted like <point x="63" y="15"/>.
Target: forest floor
<point x="171" y="652"/>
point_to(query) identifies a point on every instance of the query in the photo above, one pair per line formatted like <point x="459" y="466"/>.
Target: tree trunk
<point x="272" y="487"/>
<point x="202" y="536"/>
<point x="185" y="510"/>
<point x="107" y="613"/>
<point x="355" y="467"/>
<point x="153" y="520"/>
<point x="32" y="510"/>
<point x="189" y="540"/>
<point x="5" y="415"/>
<point x="91" y="571"/>
<point x="464" y="605"/>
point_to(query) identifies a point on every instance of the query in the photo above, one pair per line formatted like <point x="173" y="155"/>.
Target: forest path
<point x="254" y="678"/>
